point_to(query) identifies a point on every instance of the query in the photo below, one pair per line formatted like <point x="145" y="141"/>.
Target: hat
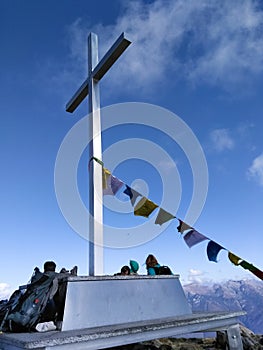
<point x="134" y="266"/>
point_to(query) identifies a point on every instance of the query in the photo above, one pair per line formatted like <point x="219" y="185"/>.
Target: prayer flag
<point x="132" y="194"/>
<point x="234" y="259"/>
<point x="105" y="175"/>
<point x="183" y="226"/>
<point x="193" y="237"/>
<point x="258" y="273"/>
<point x="252" y="269"/>
<point x="116" y="184"/>
<point x="247" y="265"/>
<point x="212" y="250"/>
<point x="113" y="184"/>
<point x="163" y="216"/>
<point x="144" y="207"/>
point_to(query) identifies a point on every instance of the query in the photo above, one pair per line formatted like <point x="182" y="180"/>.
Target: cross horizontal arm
<point x="78" y="97"/>
<point x="111" y="56"/>
<point x="102" y="67"/>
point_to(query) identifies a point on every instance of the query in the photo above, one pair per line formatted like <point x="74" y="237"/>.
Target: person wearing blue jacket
<point x="151" y="262"/>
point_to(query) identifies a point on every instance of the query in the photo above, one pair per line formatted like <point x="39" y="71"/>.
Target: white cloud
<point x="196" y="276"/>
<point x="222" y="140"/>
<point x="216" y="42"/>
<point x="233" y="47"/>
<point x="244" y="128"/>
<point x="255" y="171"/>
<point x="5" y="291"/>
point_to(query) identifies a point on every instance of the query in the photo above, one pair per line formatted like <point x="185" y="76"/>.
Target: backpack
<point x="31" y="305"/>
<point x="7" y="306"/>
<point x="162" y="270"/>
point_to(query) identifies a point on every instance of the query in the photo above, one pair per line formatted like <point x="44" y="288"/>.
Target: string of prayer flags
<point x="144" y="207"/>
<point x="252" y="269"/>
<point x="163" y="216"/>
<point x="132" y="194"/>
<point x="183" y="226"/>
<point x="112" y="184"/>
<point x="97" y="160"/>
<point x="193" y="237"/>
<point x="213" y="249"/>
<point x="236" y="260"/>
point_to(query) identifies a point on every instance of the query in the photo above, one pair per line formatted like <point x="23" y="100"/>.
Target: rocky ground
<point x="249" y="339"/>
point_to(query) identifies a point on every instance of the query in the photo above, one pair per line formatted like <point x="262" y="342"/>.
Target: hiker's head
<point x="151" y="261"/>
<point x="125" y="270"/>
<point x="49" y="266"/>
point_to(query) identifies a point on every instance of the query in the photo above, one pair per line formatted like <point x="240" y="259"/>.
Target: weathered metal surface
<point x="234" y="338"/>
<point x="95" y="173"/>
<point x="93" y="301"/>
<point x="109" y="336"/>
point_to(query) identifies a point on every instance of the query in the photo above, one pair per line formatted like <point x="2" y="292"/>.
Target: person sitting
<point x="125" y="271"/>
<point x="151" y="262"/>
<point x="154" y="268"/>
<point x="50" y="311"/>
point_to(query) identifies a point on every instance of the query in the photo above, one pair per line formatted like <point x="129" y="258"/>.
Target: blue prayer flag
<point x="212" y="250"/>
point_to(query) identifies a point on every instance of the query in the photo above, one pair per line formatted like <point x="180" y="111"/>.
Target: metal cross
<point x="96" y="70"/>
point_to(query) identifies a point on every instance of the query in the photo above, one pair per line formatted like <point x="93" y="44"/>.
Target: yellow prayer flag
<point x="105" y="174"/>
<point x="144" y="207"/>
<point x="234" y="259"/>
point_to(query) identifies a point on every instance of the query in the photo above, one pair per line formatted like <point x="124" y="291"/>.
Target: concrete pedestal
<point x="101" y="312"/>
<point x="112" y="300"/>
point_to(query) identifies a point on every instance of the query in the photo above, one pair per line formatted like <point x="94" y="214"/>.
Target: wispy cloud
<point x="4" y="291"/>
<point x="244" y="128"/>
<point x="222" y="140"/>
<point x="202" y="41"/>
<point x="255" y="171"/>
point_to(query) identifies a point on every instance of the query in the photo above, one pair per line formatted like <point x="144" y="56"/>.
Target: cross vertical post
<point x="95" y="171"/>
<point x="96" y="70"/>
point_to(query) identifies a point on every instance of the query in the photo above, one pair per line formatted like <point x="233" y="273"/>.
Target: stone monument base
<point x="107" y="311"/>
<point x="112" y="300"/>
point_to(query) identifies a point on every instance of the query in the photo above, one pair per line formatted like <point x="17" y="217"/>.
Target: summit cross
<point x="90" y="88"/>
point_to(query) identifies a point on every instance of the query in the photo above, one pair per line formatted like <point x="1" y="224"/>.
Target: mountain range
<point x="245" y="295"/>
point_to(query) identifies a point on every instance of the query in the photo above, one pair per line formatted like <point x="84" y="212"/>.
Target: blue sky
<point x="202" y="61"/>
